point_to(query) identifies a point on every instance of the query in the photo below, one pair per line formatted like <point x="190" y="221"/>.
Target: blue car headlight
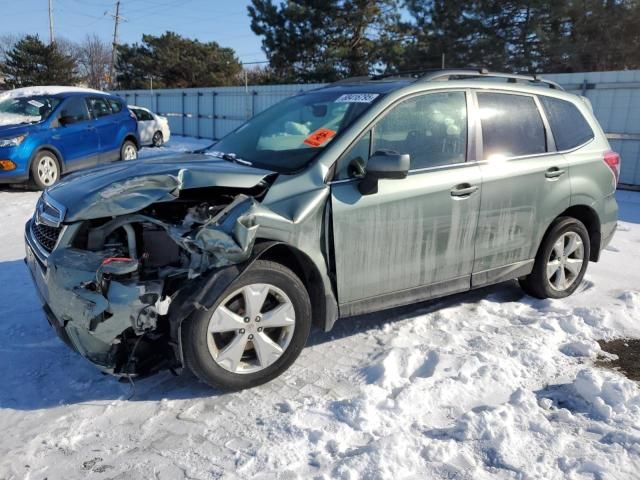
<point x="12" y="141"/>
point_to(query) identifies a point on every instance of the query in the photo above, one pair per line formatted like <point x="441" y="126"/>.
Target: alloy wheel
<point x="47" y="170"/>
<point x="565" y="261"/>
<point x="251" y="328"/>
<point x="130" y="152"/>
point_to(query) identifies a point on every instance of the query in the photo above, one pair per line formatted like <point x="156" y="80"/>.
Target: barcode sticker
<point x="357" y="98"/>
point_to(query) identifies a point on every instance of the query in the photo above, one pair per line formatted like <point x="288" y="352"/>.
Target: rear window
<point x="570" y="128"/>
<point x="511" y="125"/>
<point x="116" y="105"/>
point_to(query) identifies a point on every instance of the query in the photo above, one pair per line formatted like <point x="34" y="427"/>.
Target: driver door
<point x="413" y="239"/>
<point x="74" y="136"/>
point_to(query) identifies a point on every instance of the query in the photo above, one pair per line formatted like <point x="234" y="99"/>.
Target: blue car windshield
<point x="28" y="109"/>
<point x="287" y="136"/>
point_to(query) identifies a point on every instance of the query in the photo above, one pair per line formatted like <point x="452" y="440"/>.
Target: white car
<point x="152" y="128"/>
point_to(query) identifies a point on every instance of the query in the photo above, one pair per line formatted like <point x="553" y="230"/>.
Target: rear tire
<point x="45" y="170"/>
<point x="254" y="331"/>
<point x="128" y="151"/>
<point x="561" y="262"/>
<point x="158" y="139"/>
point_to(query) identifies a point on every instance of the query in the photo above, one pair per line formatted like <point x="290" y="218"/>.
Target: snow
<point x="16" y="118"/>
<point x="44" y="90"/>
<point x="483" y="385"/>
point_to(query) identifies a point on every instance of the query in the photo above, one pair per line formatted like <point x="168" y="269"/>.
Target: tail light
<point x="612" y="159"/>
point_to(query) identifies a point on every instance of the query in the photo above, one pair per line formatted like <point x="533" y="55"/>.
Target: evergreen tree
<point x="323" y="40"/>
<point x="30" y="62"/>
<point x="176" y="62"/>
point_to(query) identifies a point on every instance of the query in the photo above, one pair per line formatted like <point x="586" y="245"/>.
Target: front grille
<point x="45" y="235"/>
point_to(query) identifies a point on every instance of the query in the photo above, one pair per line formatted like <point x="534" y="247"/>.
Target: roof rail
<point x="436" y="75"/>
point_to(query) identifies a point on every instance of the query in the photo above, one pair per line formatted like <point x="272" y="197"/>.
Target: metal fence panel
<point x="214" y="112"/>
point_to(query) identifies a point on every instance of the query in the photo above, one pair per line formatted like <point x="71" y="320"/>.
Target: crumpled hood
<point x="127" y="187"/>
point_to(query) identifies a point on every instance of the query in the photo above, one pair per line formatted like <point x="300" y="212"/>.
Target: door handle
<point x="91" y="127"/>
<point x="554" y="172"/>
<point x="463" y="190"/>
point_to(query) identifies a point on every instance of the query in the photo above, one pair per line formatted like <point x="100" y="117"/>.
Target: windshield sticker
<point x="319" y="137"/>
<point x="35" y="103"/>
<point x="357" y="98"/>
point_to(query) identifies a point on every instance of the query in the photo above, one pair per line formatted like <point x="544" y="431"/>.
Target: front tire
<point x="45" y="170"/>
<point x="561" y="262"/>
<point x="128" y="151"/>
<point x="254" y="331"/>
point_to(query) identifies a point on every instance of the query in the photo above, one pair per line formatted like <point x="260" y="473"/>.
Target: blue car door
<point x="107" y="125"/>
<point x="73" y="135"/>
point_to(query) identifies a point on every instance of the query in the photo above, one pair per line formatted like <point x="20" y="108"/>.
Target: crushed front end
<point x="110" y="285"/>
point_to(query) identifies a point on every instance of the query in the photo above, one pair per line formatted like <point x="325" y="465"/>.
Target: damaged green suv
<point x="360" y="196"/>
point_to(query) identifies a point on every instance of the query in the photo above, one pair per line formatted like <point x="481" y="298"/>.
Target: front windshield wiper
<point x="232" y="157"/>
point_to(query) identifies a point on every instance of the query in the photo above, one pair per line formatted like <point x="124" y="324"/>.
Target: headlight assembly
<point x="12" y="142"/>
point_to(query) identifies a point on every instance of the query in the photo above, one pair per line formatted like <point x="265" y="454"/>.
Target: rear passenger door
<point x="107" y="125"/>
<point x="525" y="184"/>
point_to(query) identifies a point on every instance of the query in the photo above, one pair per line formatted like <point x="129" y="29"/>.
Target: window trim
<point x="472" y="145"/>
<point x="549" y="140"/>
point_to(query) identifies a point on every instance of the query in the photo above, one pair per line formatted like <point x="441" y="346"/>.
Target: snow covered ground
<point x="488" y="384"/>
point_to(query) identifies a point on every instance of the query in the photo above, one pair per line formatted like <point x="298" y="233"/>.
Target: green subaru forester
<point x="363" y="195"/>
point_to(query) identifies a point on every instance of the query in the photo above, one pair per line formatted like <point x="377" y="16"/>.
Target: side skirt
<point x="405" y="297"/>
<point x="437" y="290"/>
<point x="502" y="274"/>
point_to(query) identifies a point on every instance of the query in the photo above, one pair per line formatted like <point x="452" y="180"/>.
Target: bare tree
<point x="7" y="42"/>
<point x="94" y="56"/>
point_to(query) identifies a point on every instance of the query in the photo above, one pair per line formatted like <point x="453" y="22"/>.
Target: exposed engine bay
<point x="125" y="272"/>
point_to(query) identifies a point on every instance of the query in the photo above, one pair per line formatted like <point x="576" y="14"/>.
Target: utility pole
<point x="114" y="48"/>
<point x="51" y="38"/>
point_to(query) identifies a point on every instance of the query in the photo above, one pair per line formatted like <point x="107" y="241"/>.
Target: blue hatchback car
<point x="45" y="133"/>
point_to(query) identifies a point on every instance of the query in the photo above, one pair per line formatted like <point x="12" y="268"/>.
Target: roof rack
<point x="436" y="75"/>
<point x="429" y="75"/>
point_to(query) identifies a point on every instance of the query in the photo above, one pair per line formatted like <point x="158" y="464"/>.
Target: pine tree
<point x="30" y="62"/>
<point x="176" y="62"/>
<point x="323" y="40"/>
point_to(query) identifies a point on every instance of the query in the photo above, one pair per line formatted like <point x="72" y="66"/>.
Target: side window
<point x="569" y="127"/>
<point x="116" y="106"/>
<point x="75" y="110"/>
<point x="143" y="115"/>
<point x="431" y="128"/>
<point x="99" y="107"/>
<point x="511" y="125"/>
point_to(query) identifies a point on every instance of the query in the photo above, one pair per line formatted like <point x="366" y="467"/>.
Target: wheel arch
<point x="300" y="264"/>
<point x="589" y="217"/>
<point x="50" y="149"/>
<point x="133" y="138"/>
<point x="205" y="291"/>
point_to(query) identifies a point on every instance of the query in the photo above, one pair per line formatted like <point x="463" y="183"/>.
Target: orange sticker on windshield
<point x="319" y="137"/>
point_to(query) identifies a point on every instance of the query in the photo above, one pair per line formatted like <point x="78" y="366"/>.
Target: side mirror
<point x="384" y="164"/>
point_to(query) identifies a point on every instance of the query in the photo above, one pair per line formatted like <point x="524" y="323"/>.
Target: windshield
<point x="32" y="109"/>
<point x="287" y="136"/>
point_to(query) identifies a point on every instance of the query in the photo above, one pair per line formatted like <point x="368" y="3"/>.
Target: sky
<point x="225" y="22"/>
